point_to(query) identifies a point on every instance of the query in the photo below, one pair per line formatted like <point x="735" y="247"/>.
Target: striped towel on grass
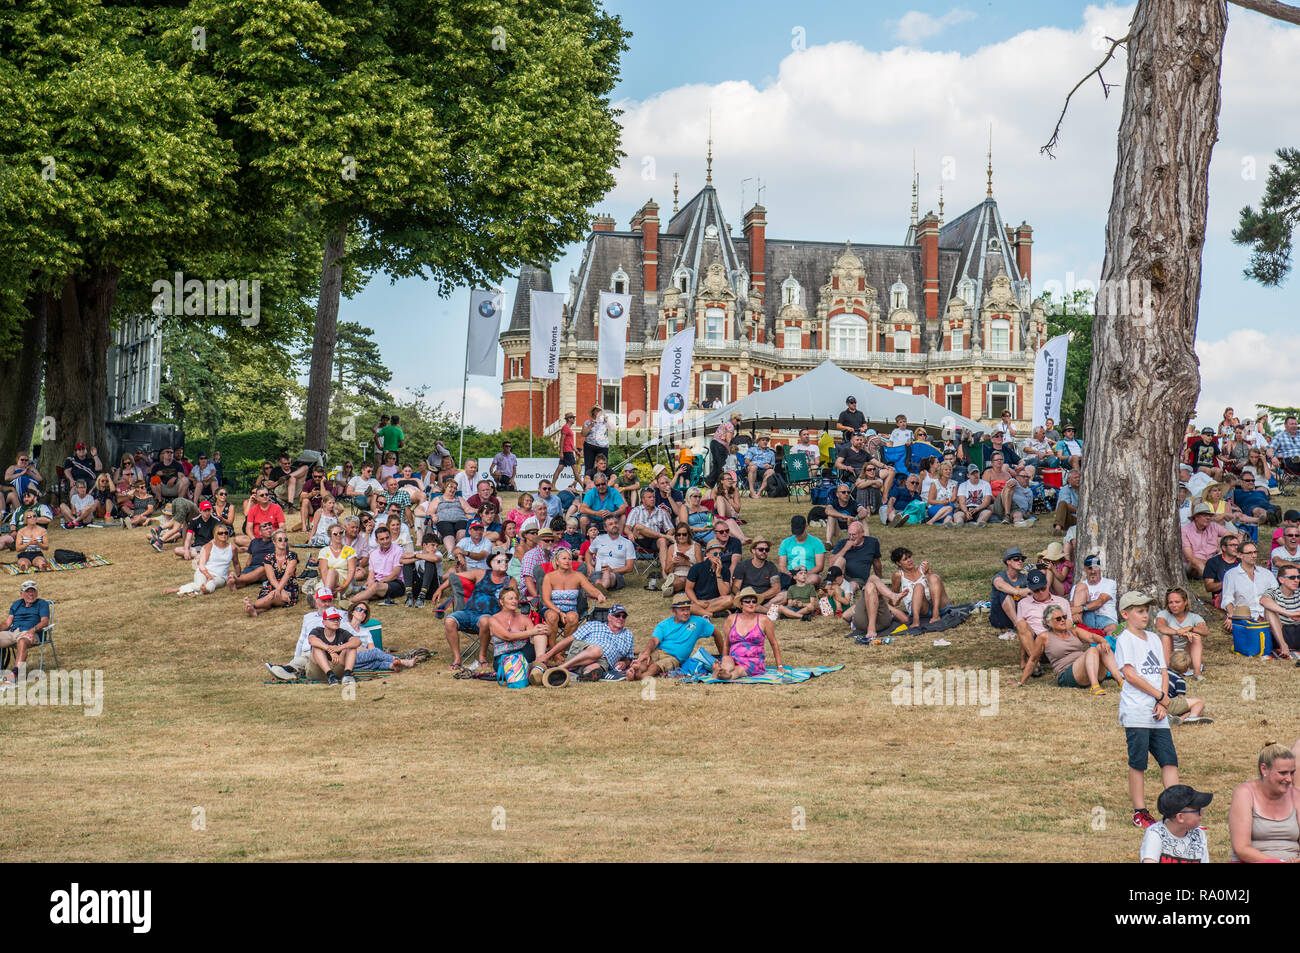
<point x="791" y="676"/>
<point x="13" y="570"/>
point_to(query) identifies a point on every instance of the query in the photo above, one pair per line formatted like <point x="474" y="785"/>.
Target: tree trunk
<point x="1145" y="377"/>
<point x="20" y="385"/>
<point x="76" y="367"/>
<point x="322" y="348"/>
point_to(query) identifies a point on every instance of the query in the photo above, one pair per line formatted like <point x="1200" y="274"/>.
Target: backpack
<point x="916" y="512"/>
<point x="512" y="670"/>
<point x="64" y="556"/>
<point x="823" y="493"/>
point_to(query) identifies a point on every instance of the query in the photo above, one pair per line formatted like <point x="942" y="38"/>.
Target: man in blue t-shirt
<point x="801" y="550"/>
<point x="1253" y="502"/>
<point x="599" y="500"/>
<point x="27" y="617"/>
<point x="673" y="641"/>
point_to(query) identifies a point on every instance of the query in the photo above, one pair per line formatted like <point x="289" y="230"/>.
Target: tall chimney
<point x="755" y="227"/>
<point x="646" y="221"/>
<point x="1024" y="240"/>
<point x="927" y="236"/>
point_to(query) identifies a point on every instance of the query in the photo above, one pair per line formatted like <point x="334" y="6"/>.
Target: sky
<point x="826" y="103"/>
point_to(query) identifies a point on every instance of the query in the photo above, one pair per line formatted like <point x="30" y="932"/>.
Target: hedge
<point x="252" y="444"/>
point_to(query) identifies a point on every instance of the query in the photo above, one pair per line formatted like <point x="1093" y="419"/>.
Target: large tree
<point x="452" y="139"/>
<point x="1145" y="377"/>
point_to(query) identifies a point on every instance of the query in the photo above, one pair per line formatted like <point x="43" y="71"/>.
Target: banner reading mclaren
<point x="612" y="346"/>
<point x="675" y="377"/>
<point x="1049" y="379"/>
<point x="546" y="308"/>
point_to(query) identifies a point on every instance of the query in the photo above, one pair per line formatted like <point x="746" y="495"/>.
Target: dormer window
<point x="791" y="291"/>
<point x="618" y="282"/>
<point x="994" y="245"/>
<point x="898" y="295"/>
<point x="682" y="279"/>
<point x="966" y="291"/>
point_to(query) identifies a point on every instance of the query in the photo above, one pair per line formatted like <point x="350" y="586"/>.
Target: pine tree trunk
<point x="20" y="385"/>
<point x="322" y="349"/>
<point x="76" y="366"/>
<point x="1145" y="377"/>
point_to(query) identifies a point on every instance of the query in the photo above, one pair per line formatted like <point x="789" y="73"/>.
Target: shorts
<point x="451" y="527"/>
<point x="529" y="653"/>
<point x="396" y="587"/>
<point x="568" y="459"/>
<point x="620" y="581"/>
<point x="578" y="645"/>
<point x="1067" y="680"/>
<point x="1291" y="634"/>
<point x="1094" y="620"/>
<point x="505" y="483"/>
<point x="933" y="510"/>
<point x="10" y="638"/>
<point x="467" y="620"/>
<point x="169" y="491"/>
<point x="665" y="661"/>
<point x="32" y="554"/>
<point x="1155" y="741"/>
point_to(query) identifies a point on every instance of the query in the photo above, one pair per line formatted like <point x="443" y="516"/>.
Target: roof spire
<point x="674" y="193"/>
<point x="915" y="184"/>
<point x="990" y="192"/>
<point x="708" y="175"/>
<point x="941" y="201"/>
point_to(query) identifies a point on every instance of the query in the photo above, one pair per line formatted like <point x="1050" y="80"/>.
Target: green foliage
<point x="1072" y="314"/>
<point x="1277" y="415"/>
<point x="257" y="445"/>
<point x="479" y="444"/>
<point x="1269" y="230"/>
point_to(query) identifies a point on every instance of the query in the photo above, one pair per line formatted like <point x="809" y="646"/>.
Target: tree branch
<point x="1272" y="8"/>
<point x="1105" y="88"/>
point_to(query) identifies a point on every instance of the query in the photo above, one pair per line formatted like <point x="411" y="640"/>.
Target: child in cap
<point x="837" y="590"/>
<point x="1180" y="838"/>
<point x="1143" y="702"/>
<point x="801" y="598"/>
<point x="1183" y="710"/>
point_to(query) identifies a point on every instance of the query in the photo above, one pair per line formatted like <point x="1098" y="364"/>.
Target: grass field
<point x="417" y="766"/>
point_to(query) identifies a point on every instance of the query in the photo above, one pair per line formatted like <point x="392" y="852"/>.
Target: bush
<point x="252" y="444"/>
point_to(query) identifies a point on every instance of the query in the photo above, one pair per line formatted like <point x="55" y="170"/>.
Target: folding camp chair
<point x="797" y="477"/>
<point x="47" y="640"/>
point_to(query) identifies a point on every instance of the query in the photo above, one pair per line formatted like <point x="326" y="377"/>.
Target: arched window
<point x="850" y="335"/>
<point x="618" y="282"/>
<point x="742" y="284"/>
<point x="1000" y="334"/>
<point x="682" y="279"/>
<point x="966" y="291"/>
<point x="994" y="245"/>
<point x="791" y="291"/>
<point x="898" y="295"/>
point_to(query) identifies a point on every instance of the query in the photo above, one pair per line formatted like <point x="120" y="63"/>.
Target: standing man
<point x="851" y="420"/>
<point x="568" y="450"/>
<point x="720" y="446"/>
<point x="503" y="468"/>
<point x="390" y="432"/>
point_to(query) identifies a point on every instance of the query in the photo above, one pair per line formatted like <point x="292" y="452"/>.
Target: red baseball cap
<point x="80" y="446"/>
<point x="205" y="505"/>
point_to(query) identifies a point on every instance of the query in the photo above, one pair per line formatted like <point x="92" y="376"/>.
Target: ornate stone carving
<point x="1001" y="296"/>
<point x="715" y="285"/>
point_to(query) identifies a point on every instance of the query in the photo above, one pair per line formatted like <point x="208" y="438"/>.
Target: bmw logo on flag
<point x="486" y="309"/>
<point x="674" y="403"/>
<point x="615" y="310"/>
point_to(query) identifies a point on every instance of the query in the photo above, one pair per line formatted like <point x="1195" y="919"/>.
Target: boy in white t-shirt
<point x="901" y="435"/>
<point x="1180" y="838"/>
<point x="1144" y="702"/>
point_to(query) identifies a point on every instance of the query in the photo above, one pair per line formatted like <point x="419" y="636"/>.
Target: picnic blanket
<point x="791" y="676"/>
<point x="13" y="570"/>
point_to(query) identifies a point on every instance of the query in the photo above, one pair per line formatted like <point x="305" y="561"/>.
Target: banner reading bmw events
<point x="612" y="345"/>
<point x="675" y="377"/>
<point x="546" y="309"/>
<point x="484" y="329"/>
<point x="1049" y="379"/>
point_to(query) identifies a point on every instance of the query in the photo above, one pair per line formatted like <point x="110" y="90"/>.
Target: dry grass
<point x="413" y="768"/>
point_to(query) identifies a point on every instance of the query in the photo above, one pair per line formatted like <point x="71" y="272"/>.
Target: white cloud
<point x="915" y="26"/>
<point x="1237" y="372"/>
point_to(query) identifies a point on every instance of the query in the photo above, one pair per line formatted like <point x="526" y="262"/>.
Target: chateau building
<point x="947" y="313"/>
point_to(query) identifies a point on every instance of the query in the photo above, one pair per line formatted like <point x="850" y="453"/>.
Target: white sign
<point x="485" y="309"/>
<point x="615" y="309"/>
<point x="530" y="472"/>
<point x="1049" y="380"/>
<point x="545" y="311"/>
<point x="675" y="377"/>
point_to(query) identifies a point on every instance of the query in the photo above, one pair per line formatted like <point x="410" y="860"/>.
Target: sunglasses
<point x="1015" y="559"/>
<point x="748" y="599"/>
<point x="761" y="549"/>
<point x="222" y="535"/>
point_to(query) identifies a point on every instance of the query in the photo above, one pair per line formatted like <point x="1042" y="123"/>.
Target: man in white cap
<point x="21" y="629"/>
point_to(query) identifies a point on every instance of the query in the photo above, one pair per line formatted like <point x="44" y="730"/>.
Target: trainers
<point x="1006" y="636"/>
<point x="349" y="680"/>
<point x="1175" y="720"/>
<point x="389" y="602"/>
<point x="410" y="601"/>
<point x="156" y="543"/>
<point x="282" y="673"/>
<point x="67" y="524"/>
<point x="1032" y="519"/>
<point x="1198" y="720"/>
<point x="333" y="679"/>
<point x="126" y="524"/>
<point x="652" y="584"/>
<point x="1143" y="818"/>
<point x="419" y="603"/>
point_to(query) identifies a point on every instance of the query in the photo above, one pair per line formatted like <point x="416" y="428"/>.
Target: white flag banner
<point x="1049" y="379"/>
<point x="545" y="312"/>
<point x="675" y="377"/>
<point x="485" y="309"/>
<point x="612" y="343"/>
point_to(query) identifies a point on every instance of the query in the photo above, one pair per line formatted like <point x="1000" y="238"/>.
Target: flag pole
<point x="530" y="411"/>
<point x="464" y="383"/>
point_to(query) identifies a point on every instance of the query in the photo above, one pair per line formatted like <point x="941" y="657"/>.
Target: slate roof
<point x="531" y="278"/>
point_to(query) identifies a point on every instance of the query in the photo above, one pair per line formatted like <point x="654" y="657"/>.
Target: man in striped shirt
<point x="596" y="647"/>
<point x="1286" y="446"/>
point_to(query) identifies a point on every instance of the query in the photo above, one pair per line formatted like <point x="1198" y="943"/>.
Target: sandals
<point x="1098" y="690"/>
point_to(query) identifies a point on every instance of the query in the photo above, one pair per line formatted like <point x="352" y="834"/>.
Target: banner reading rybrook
<point x="675" y="377"/>
<point x="1049" y="380"/>
<point x="612" y="345"/>
<point x="545" y="309"/>
<point x="484" y="330"/>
